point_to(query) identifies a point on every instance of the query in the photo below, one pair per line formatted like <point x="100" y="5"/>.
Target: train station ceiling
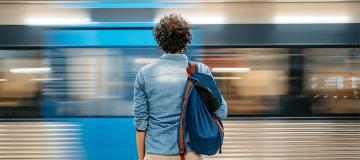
<point x="26" y="12"/>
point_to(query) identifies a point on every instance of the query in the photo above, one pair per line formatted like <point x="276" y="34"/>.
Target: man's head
<point x="172" y="33"/>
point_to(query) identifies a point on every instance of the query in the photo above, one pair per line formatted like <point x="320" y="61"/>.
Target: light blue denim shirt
<point x="158" y="91"/>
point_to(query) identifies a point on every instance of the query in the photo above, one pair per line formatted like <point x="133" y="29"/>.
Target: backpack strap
<point x="182" y="149"/>
<point x="191" y="69"/>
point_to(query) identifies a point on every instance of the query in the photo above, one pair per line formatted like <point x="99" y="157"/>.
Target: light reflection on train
<point x="255" y="81"/>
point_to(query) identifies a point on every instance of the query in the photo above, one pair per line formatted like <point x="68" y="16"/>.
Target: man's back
<point x="162" y="83"/>
<point x="158" y="97"/>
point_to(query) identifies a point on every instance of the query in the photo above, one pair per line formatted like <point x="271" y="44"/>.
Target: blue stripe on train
<point x="107" y="138"/>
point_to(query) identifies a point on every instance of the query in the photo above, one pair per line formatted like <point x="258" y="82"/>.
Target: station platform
<point x="96" y="138"/>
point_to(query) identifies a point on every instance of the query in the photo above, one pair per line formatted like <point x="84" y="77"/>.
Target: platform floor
<point x="291" y="140"/>
<point x="244" y="140"/>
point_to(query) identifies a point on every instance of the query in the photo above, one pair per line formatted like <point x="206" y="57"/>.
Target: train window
<point x="332" y="78"/>
<point x="287" y="81"/>
<point x="251" y="80"/>
<point x="99" y="81"/>
<point x="20" y="87"/>
<point x="254" y="81"/>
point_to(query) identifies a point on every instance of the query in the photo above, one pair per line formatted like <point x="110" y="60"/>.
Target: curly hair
<point x="172" y="33"/>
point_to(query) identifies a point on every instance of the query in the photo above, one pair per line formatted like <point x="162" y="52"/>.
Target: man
<point x="158" y="92"/>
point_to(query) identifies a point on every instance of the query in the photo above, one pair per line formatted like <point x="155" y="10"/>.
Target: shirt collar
<point x="174" y="56"/>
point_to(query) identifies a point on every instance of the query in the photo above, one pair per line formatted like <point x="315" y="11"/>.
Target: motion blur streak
<point x="56" y="21"/>
<point x="289" y="71"/>
<point x="312" y="19"/>
<point x="230" y="69"/>
<point x="291" y="140"/>
<point x="40" y="140"/>
<point x="30" y="70"/>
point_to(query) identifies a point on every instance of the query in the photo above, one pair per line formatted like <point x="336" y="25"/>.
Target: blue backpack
<point x="200" y="99"/>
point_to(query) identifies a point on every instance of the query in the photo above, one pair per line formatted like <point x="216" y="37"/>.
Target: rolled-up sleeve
<point x="221" y="112"/>
<point x="140" y="109"/>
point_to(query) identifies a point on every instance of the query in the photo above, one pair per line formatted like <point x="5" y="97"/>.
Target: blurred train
<point x="289" y="71"/>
